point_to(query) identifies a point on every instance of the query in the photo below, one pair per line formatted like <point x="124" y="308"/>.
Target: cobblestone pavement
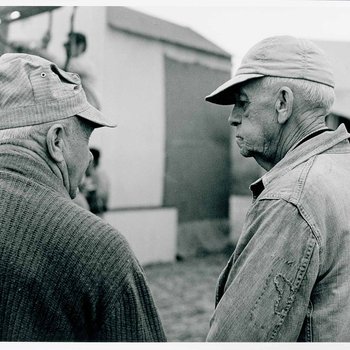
<point x="184" y="293"/>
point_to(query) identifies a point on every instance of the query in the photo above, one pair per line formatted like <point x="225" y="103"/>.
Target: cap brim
<point x="223" y="94"/>
<point x="95" y="116"/>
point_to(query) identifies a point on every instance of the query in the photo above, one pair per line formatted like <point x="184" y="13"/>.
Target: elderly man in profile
<point x="65" y="275"/>
<point x="289" y="276"/>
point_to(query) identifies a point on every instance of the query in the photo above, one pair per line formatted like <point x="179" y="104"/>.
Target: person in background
<point x="288" y="278"/>
<point x="78" y="62"/>
<point x="65" y="274"/>
<point x="80" y="198"/>
<point x="95" y="186"/>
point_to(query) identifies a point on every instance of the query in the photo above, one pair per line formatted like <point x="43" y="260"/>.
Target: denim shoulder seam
<point x="303" y="213"/>
<point x="312" y="224"/>
<point x="293" y="196"/>
<point x="298" y="190"/>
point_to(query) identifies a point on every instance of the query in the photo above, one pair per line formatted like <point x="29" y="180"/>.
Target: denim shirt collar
<point x="297" y="155"/>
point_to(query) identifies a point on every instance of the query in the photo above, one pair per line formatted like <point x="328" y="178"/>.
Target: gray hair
<point x="23" y="132"/>
<point x="30" y="132"/>
<point x="316" y="95"/>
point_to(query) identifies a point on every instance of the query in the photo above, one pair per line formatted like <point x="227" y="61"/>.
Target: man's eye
<point x="241" y="103"/>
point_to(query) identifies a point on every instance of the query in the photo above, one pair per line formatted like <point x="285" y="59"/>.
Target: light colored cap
<point x="278" y="56"/>
<point x="34" y="90"/>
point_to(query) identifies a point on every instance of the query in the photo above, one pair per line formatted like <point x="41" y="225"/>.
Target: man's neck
<point x="292" y="135"/>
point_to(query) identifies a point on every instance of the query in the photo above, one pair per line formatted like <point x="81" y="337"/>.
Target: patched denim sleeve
<point x="266" y="294"/>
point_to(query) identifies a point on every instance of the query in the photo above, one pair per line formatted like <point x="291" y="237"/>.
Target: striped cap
<point x="34" y="90"/>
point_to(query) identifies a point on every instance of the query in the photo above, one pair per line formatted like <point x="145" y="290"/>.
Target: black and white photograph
<point x="174" y="173"/>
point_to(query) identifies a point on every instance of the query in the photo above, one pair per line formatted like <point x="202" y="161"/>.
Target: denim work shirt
<point x="289" y="276"/>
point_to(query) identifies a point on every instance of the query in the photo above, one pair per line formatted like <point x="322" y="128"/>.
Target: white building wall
<point x="151" y="233"/>
<point x="133" y="96"/>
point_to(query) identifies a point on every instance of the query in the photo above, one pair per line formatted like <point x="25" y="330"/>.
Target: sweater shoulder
<point x="58" y="235"/>
<point x="89" y="237"/>
<point x="87" y="247"/>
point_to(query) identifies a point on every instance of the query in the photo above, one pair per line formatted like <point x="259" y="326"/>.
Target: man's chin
<point x="245" y="153"/>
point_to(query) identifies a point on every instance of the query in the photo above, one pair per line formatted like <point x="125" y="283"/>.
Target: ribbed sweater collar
<point x="25" y="158"/>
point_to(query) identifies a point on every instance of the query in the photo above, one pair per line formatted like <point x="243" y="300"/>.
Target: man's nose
<point x="234" y="119"/>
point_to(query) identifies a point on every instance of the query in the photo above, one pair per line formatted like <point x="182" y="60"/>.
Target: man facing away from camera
<point x="289" y="276"/>
<point x="65" y="274"/>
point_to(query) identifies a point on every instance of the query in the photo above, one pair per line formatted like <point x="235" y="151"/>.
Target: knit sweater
<point x="65" y="274"/>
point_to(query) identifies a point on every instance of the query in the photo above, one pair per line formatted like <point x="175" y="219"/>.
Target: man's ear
<point x="54" y="142"/>
<point x="284" y="104"/>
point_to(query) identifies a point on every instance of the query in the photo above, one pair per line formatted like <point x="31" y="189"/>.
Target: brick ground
<point x="184" y="293"/>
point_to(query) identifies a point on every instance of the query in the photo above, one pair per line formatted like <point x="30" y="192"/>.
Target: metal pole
<point x="68" y="57"/>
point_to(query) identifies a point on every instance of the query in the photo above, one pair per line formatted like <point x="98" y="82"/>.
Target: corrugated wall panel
<point x="197" y="175"/>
